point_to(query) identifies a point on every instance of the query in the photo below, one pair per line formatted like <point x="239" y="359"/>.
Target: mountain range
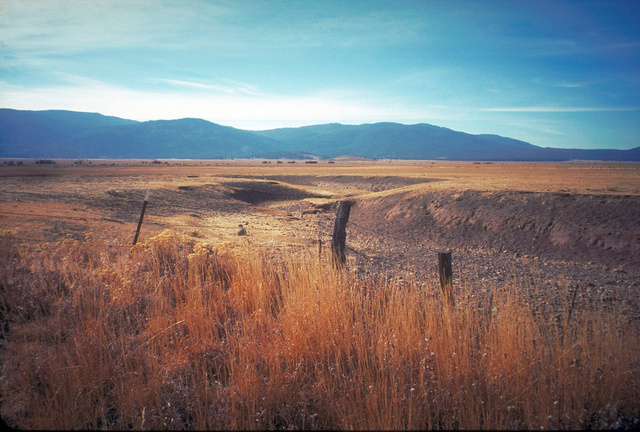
<point x="70" y="134"/>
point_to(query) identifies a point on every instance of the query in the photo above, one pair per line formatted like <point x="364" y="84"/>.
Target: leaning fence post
<point x="339" y="233"/>
<point x="446" y="276"/>
<point x="144" y="207"/>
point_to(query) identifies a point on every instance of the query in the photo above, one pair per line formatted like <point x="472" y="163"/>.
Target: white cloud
<point x="559" y="109"/>
<point x="232" y="108"/>
<point x="232" y="87"/>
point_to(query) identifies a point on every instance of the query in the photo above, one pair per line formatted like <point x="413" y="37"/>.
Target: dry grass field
<point x="198" y="328"/>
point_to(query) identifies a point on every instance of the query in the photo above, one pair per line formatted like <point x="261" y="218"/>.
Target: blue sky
<point x="554" y="73"/>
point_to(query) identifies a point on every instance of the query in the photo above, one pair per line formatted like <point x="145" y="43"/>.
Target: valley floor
<point x="563" y="227"/>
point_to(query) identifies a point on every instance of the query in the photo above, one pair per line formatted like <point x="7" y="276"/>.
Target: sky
<point x="553" y="73"/>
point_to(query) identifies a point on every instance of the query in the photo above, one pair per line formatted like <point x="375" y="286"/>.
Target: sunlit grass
<point x="174" y="335"/>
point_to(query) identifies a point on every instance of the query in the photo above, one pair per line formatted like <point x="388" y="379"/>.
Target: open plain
<point x="562" y="224"/>
<point x="197" y="327"/>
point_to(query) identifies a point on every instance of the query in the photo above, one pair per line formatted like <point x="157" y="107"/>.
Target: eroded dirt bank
<point x="555" y="243"/>
<point x="559" y="226"/>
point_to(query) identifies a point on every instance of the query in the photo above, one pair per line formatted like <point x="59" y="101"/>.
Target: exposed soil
<point x="557" y="240"/>
<point x="262" y="192"/>
<point x="552" y="226"/>
<point x="365" y="183"/>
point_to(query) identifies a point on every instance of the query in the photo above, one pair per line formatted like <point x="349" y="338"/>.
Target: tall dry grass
<point x="175" y="335"/>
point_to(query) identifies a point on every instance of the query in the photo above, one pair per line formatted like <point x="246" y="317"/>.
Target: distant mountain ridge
<point x="71" y="134"/>
<point x="397" y="141"/>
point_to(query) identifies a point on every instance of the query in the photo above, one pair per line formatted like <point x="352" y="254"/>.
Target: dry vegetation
<point x="202" y="330"/>
<point x="181" y="335"/>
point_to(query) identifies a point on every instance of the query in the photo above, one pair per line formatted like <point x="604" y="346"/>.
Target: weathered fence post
<point x="446" y="277"/>
<point x="573" y="301"/>
<point x="339" y="233"/>
<point x="144" y="207"/>
<point x="320" y="243"/>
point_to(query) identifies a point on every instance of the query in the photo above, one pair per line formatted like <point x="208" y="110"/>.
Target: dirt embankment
<point x="571" y="227"/>
<point x="263" y="192"/>
<point x="365" y="183"/>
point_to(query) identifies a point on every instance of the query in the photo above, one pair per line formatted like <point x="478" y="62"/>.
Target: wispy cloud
<point x="355" y="30"/>
<point x="233" y="88"/>
<point x="559" y="109"/>
<point x="568" y="82"/>
<point x="242" y="110"/>
<point x="68" y="27"/>
<point x="573" y="84"/>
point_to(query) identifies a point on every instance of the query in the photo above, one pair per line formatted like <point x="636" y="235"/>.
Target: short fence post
<point x="446" y="277"/>
<point x="144" y="207"/>
<point x="573" y="301"/>
<point x="339" y="233"/>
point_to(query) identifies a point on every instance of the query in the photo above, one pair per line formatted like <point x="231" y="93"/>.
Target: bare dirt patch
<point x="262" y="192"/>
<point x="560" y="226"/>
<point x="350" y="182"/>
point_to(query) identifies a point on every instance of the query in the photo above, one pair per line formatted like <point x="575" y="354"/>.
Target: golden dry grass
<point x="175" y="334"/>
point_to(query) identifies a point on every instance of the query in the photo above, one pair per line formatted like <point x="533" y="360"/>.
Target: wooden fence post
<point x="320" y="243"/>
<point x="446" y="277"/>
<point x="573" y="301"/>
<point x="144" y="207"/>
<point x="339" y="233"/>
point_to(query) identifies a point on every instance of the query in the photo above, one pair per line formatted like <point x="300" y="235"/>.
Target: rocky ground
<point x="552" y="243"/>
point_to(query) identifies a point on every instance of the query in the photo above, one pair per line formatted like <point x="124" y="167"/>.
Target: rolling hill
<point x="69" y="134"/>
